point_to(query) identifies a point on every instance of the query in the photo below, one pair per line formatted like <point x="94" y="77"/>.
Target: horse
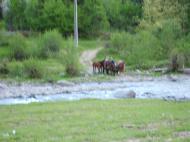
<point x="110" y="67"/>
<point x="97" y="66"/>
<point x="121" y="66"/>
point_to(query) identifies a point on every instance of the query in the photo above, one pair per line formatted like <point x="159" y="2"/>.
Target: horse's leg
<point x="99" y="69"/>
<point x="107" y="70"/>
<point x="92" y="68"/>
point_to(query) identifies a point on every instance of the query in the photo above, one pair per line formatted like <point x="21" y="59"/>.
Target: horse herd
<point x="108" y="67"/>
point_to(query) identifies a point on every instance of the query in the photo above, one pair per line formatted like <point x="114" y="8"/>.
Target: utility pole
<point x="75" y="24"/>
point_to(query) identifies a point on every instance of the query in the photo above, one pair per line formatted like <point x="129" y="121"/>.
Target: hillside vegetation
<point x="36" y="35"/>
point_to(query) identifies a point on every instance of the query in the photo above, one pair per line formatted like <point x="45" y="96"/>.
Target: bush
<point x="184" y="47"/>
<point x="3" y="68"/>
<point x="3" y="39"/>
<point x="18" y="47"/>
<point x="71" y="60"/>
<point x="50" y="43"/>
<point x="118" y="40"/>
<point x="176" y="60"/>
<point x="135" y="49"/>
<point x="33" y="69"/>
<point x="16" y="69"/>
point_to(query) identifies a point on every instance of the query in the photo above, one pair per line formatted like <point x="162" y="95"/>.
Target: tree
<point x="123" y="14"/>
<point x="92" y="18"/>
<point x="15" y="17"/>
<point x="157" y="11"/>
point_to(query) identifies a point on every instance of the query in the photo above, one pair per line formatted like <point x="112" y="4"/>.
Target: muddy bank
<point x="168" y="87"/>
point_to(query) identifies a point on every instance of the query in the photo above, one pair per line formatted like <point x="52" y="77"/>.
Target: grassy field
<point x="96" y="121"/>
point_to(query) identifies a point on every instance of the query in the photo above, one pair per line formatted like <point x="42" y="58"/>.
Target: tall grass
<point x="70" y="59"/>
<point x="33" y="68"/>
<point x="18" y="47"/>
<point x="16" y="69"/>
<point x="50" y="43"/>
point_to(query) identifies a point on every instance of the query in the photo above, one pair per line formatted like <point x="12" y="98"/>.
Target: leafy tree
<point x="156" y="12"/>
<point x="33" y="12"/>
<point x="123" y="14"/>
<point x="15" y="17"/>
<point x="92" y="17"/>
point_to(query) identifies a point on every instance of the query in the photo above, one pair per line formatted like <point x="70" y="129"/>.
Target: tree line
<point x="95" y="16"/>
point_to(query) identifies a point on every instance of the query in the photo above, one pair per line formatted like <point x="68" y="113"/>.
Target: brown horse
<point x="97" y="66"/>
<point x="121" y="66"/>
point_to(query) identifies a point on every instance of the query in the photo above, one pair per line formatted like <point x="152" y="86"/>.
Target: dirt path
<point x="87" y="57"/>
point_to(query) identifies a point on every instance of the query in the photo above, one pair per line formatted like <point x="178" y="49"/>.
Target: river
<point x="175" y="88"/>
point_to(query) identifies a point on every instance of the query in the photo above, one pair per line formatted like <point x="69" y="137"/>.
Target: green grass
<point x="4" y="52"/>
<point x="95" y="121"/>
<point x="89" y="44"/>
<point x="144" y="65"/>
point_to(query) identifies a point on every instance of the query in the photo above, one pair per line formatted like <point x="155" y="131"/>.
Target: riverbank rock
<point x="172" y="78"/>
<point x="65" y="83"/>
<point x="125" y="94"/>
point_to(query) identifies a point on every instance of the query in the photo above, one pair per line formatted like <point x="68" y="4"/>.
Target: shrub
<point x="18" y="47"/>
<point x="184" y="47"/>
<point x="33" y="68"/>
<point x="71" y="60"/>
<point x="33" y="50"/>
<point x="118" y="40"/>
<point x="168" y="35"/>
<point x="50" y="43"/>
<point x="176" y="60"/>
<point x="16" y="69"/>
<point x="136" y="49"/>
<point x="3" y="39"/>
<point x="3" y="68"/>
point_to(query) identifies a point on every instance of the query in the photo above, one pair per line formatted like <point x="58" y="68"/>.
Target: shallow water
<point x="153" y="89"/>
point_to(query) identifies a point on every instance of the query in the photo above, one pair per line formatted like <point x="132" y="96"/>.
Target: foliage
<point x="16" y="69"/>
<point x="168" y="35"/>
<point x="135" y="49"/>
<point x="3" y="68"/>
<point x="18" y="47"/>
<point x="15" y="16"/>
<point x="50" y="43"/>
<point x="54" y="15"/>
<point x="4" y="40"/>
<point x="156" y="12"/>
<point x="92" y="18"/>
<point x="176" y="60"/>
<point x="71" y="59"/>
<point x="146" y="47"/>
<point x="183" y="46"/>
<point x="33" y="68"/>
<point x="123" y="15"/>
